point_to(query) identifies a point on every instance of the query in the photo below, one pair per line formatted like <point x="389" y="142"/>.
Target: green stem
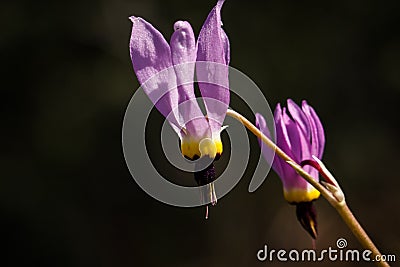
<point x="341" y="207"/>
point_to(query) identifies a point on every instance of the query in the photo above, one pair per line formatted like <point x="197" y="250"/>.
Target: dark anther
<point x="205" y="176"/>
<point x="307" y="217"/>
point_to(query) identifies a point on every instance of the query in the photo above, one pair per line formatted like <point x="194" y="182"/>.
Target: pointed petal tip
<point x="291" y="103"/>
<point x="133" y="18"/>
<point x="219" y="5"/>
<point x="307" y="216"/>
<point x="304" y="103"/>
<point x="277" y="112"/>
<point x="278" y="107"/>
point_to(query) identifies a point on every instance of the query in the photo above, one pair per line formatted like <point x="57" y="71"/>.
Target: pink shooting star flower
<point x="166" y="73"/>
<point x="299" y="133"/>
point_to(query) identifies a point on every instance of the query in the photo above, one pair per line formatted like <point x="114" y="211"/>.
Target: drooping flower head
<point x="166" y="73"/>
<point x="299" y="133"/>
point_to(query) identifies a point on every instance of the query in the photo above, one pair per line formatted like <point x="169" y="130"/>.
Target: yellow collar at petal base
<point x="193" y="148"/>
<point x="297" y="195"/>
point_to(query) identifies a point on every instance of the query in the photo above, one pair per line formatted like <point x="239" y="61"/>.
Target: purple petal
<point x="183" y="51"/>
<point x="183" y="46"/>
<point x="301" y="149"/>
<point x="320" y="133"/>
<point x="213" y="43"/>
<point x="213" y="48"/>
<point x="283" y="142"/>
<point x="151" y="60"/>
<point x="266" y="151"/>
<point x="292" y="136"/>
<point x="294" y="181"/>
<point x="227" y="46"/>
<point x="300" y="145"/>
<point x="292" y="140"/>
<point x="317" y="130"/>
<point x="299" y="117"/>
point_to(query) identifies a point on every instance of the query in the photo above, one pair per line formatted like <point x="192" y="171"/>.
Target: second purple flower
<point x="299" y="133"/>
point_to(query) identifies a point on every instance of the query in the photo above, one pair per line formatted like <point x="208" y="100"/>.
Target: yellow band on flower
<point x="194" y="149"/>
<point x="300" y="195"/>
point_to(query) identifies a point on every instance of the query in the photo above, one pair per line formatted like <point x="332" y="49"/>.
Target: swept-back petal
<point x="282" y="141"/>
<point x="183" y="52"/>
<point x="299" y="117"/>
<point x="292" y="141"/>
<point x="300" y="145"/>
<point x="317" y="130"/>
<point x="213" y="43"/>
<point x="212" y="67"/>
<point x="292" y="135"/>
<point x="151" y="60"/>
<point x="183" y="48"/>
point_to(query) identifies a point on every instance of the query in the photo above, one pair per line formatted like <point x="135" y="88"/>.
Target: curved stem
<point x="340" y="206"/>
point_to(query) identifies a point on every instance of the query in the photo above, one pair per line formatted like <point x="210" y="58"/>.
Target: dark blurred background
<point x="66" y="196"/>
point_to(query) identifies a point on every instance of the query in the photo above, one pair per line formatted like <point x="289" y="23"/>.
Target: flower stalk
<point x="330" y="190"/>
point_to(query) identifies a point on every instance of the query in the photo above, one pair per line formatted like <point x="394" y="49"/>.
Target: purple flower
<point x="299" y="133"/>
<point x="166" y="73"/>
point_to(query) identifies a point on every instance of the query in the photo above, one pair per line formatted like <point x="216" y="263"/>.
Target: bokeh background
<point x="66" y="196"/>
